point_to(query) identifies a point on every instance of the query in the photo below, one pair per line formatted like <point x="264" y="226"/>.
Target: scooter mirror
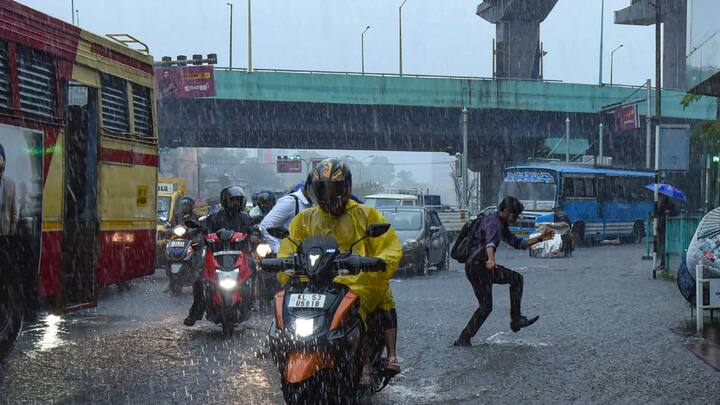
<point x="278" y="232"/>
<point x="192" y="224"/>
<point x="375" y="230"/>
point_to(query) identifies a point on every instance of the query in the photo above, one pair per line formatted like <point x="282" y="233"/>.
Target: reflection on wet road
<point x="607" y="333"/>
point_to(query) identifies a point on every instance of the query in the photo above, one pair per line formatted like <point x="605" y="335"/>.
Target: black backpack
<point x="461" y="249"/>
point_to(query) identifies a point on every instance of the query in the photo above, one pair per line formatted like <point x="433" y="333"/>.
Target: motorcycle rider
<point x="187" y="207"/>
<point x="263" y="202"/>
<point x="283" y="212"/>
<point x="335" y="215"/>
<point x="231" y="216"/>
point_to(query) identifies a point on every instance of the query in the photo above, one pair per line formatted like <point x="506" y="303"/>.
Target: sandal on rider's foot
<point x="391" y="366"/>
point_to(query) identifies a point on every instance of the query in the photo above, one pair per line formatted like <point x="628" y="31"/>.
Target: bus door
<point x="79" y="248"/>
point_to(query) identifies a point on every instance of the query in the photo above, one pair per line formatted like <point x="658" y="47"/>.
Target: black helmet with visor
<point x="331" y="185"/>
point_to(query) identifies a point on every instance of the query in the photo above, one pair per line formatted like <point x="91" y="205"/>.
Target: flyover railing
<point x="377" y="74"/>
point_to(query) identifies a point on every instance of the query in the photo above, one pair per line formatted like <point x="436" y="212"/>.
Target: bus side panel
<point x="125" y="255"/>
<point x="585" y="210"/>
<point x="126" y="207"/>
<point x="50" y="264"/>
<point x="52" y="235"/>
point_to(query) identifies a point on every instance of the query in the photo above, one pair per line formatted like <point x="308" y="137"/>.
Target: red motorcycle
<point x="228" y="272"/>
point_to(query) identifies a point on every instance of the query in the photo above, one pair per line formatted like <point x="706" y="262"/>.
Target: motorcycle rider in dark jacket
<point x="233" y="217"/>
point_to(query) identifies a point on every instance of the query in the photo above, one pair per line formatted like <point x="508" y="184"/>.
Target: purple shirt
<point x="491" y="229"/>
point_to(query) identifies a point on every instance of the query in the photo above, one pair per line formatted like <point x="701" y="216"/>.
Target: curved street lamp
<point x="612" y="56"/>
<point x="362" y="48"/>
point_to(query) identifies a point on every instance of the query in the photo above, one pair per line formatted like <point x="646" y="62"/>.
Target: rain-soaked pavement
<point x="607" y="333"/>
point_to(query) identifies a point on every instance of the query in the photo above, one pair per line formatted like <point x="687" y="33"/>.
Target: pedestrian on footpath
<point x="482" y="271"/>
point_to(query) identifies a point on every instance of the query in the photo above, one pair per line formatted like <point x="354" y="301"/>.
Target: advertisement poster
<point x="21" y="184"/>
<point x="627" y="118"/>
<point x="184" y="82"/>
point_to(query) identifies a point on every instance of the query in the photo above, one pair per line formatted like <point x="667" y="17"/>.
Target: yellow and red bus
<point x="79" y="158"/>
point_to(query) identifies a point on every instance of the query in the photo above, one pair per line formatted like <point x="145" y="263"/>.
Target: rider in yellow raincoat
<point x="337" y="216"/>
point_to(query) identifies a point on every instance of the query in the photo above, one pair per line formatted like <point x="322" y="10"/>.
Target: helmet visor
<point x="330" y="196"/>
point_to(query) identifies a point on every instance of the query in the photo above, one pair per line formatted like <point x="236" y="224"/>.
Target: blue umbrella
<point x="667" y="190"/>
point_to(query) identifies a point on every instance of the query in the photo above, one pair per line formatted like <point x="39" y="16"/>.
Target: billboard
<point x="184" y="82"/>
<point x="627" y="118"/>
<point x="674" y="147"/>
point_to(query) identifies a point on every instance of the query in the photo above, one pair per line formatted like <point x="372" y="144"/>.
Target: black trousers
<point x="197" y="310"/>
<point x="482" y="280"/>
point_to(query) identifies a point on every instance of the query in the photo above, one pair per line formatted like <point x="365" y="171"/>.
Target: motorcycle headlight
<point x="227" y="280"/>
<point x="304" y="327"/>
<point x="410" y="244"/>
<point x="180" y="231"/>
<point x="263" y="250"/>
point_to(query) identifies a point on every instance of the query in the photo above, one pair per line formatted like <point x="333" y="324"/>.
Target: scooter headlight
<point x="227" y="280"/>
<point x="304" y="327"/>
<point x="263" y="250"/>
<point x="180" y="231"/>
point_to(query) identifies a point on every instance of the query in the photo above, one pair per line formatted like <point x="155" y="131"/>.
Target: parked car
<point x="424" y="239"/>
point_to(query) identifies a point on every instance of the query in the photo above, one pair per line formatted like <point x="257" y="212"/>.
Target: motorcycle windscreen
<point x="21" y="191"/>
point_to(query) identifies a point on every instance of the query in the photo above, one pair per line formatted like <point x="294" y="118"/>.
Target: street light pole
<point x="567" y="139"/>
<point x="602" y="31"/>
<point x="400" y="35"/>
<point x="250" y="68"/>
<point x="612" y="60"/>
<point x="465" y="193"/>
<point x="658" y="118"/>
<point x="231" y="34"/>
<point x="362" y="49"/>
<point x="77" y="17"/>
<point x="72" y="10"/>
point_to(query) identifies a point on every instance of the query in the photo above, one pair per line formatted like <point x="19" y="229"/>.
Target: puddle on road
<point x="505" y="338"/>
<point x="707" y="347"/>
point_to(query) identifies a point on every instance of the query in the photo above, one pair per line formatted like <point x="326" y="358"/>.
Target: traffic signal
<point x="716" y="159"/>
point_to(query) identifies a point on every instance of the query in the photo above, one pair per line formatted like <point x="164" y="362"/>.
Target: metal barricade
<point x="679" y="232"/>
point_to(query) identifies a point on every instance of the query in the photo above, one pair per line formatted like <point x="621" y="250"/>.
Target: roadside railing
<point x="679" y="232"/>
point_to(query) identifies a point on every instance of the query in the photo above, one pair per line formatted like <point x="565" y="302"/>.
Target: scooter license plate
<point x="175" y="268"/>
<point x="177" y="243"/>
<point x="306" y="301"/>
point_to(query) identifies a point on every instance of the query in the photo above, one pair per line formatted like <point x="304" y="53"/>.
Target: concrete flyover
<point x="508" y="119"/>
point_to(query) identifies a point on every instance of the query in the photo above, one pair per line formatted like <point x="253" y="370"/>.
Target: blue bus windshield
<point x="535" y="189"/>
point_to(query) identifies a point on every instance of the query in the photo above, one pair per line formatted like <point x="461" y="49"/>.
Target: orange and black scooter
<point x="318" y="339"/>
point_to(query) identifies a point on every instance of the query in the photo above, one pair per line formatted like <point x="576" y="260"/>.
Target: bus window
<point x="115" y="116"/>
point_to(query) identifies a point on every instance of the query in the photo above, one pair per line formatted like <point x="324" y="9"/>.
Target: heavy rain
<point x="389" y="202"/>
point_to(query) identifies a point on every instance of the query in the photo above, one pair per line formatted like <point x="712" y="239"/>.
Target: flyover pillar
<point x="674" y="18"/>
<point x="517" y="37"/>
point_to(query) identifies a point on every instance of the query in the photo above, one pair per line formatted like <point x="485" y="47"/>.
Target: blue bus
<point x="599" y="203"/>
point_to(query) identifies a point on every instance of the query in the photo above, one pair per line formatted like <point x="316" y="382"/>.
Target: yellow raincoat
<point x="372" y="287"/>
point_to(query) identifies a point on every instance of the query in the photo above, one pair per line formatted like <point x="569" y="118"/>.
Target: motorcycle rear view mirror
<point x="192" y="224"/>
<point x="376" y="230"/>
<point x="279" y="232"/>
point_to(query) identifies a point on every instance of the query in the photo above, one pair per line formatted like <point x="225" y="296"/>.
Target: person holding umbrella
<point x="664" y="207"/>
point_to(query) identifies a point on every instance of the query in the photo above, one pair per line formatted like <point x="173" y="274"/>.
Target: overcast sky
<point x="440" y="37"/>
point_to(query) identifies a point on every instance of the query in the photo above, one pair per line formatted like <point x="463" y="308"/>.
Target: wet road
<point x="607" y="333"/>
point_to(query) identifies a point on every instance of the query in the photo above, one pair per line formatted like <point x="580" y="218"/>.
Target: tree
<point x="466" y="199"/>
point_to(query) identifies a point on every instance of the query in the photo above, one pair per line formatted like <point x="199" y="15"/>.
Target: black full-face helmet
<point x="265" y="200"/>
<point x="232" y="199"/>
<point x="331" y="185"/>
<point x="187" y="205"/>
